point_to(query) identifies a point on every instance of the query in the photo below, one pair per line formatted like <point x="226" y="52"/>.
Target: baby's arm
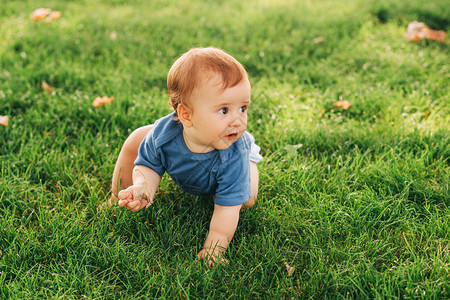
<point x="141" y="193"/>
<point x="221" y="230"/>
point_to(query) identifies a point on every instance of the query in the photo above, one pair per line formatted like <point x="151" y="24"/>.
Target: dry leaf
<point x="4" y="120"/>
<point x="40" y="13"/>
<point x="100" y="101"/>
<point x="417" y="31"/>
<point x="436" y="35"/>
<point x="53" y="16"/>
<point x="318" y="40"/>
<point x="46" y="87"/>
<point x="344" y="104"/>
<point x="289" y="269"/>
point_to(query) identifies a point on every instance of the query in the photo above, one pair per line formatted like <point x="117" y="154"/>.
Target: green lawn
<point x="356" y="200"/>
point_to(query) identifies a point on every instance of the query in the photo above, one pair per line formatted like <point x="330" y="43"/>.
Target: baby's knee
<point x="250" y="202"/>
<point x="131" y="144"/>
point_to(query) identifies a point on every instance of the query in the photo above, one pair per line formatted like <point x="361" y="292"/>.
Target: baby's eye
<point x="223" y="111"/>
<point x="243" y="109"/>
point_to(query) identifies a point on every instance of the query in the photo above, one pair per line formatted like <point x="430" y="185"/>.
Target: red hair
<point x="192" y="68"/>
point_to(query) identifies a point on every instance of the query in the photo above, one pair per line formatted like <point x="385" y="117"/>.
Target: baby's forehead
<point x="208" y="83"/>
<point x="212" y="79"/>
<point x="217" y="80"/>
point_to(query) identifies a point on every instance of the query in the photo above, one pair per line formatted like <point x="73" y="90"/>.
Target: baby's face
<point x="219" y="118"/>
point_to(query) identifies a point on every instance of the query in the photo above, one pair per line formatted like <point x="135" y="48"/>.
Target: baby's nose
<point x="236" y="122"/>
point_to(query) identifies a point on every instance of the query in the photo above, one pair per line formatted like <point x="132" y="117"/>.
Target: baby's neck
<point x="193" y="145"/>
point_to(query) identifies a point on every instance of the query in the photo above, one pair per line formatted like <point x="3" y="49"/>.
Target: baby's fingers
<point x="125" y="197"/>
<point x="134" y="205"/>
<point x="125" y="194"/>
<point x="210" y="258"/>
<point x="123" y="203"/>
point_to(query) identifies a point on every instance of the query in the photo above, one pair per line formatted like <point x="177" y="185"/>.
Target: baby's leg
<point x="122" y="176"/>
<point x="254" y="179"/>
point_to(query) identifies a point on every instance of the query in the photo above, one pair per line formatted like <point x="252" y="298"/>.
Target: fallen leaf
<point x="289" y="269"/>
<point x="436" y="35"/>
<point x="4" y="120"/>
<point x="292" y="149"/>
<point x="53" y="16"/>
<point x="344" y="104"/>
<point x="46" y="87"/>
<point x="100" y="101"/>
<point x="417" y="31"/>
<point x="318" y="40"/>
<point x="40" y="13"/>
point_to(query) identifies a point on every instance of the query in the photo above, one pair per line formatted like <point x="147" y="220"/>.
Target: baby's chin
<point x="223" y="147"/>
<point x="226" y="143"/>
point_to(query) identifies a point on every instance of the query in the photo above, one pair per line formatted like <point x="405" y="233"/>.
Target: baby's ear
<point x="184" y="115"/>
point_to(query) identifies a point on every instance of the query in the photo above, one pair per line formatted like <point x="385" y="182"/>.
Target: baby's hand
<point x="135" y="197"/>
<point x="212" y="256"/>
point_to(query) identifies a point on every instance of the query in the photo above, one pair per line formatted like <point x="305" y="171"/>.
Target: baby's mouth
<point x="231" y="136"/>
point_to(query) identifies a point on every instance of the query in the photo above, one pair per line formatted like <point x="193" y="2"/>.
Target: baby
<point x="203" y="145"/>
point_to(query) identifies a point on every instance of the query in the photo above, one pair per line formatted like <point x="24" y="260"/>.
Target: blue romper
<point x="223" y="173"/>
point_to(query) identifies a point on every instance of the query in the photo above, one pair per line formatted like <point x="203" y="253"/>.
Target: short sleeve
<point x="254" y="149"/>
<point x="233" y="182"/>
<point x="148" y="154"/>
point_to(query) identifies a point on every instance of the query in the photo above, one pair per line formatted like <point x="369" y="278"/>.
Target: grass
<point x="356" y="200"/>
